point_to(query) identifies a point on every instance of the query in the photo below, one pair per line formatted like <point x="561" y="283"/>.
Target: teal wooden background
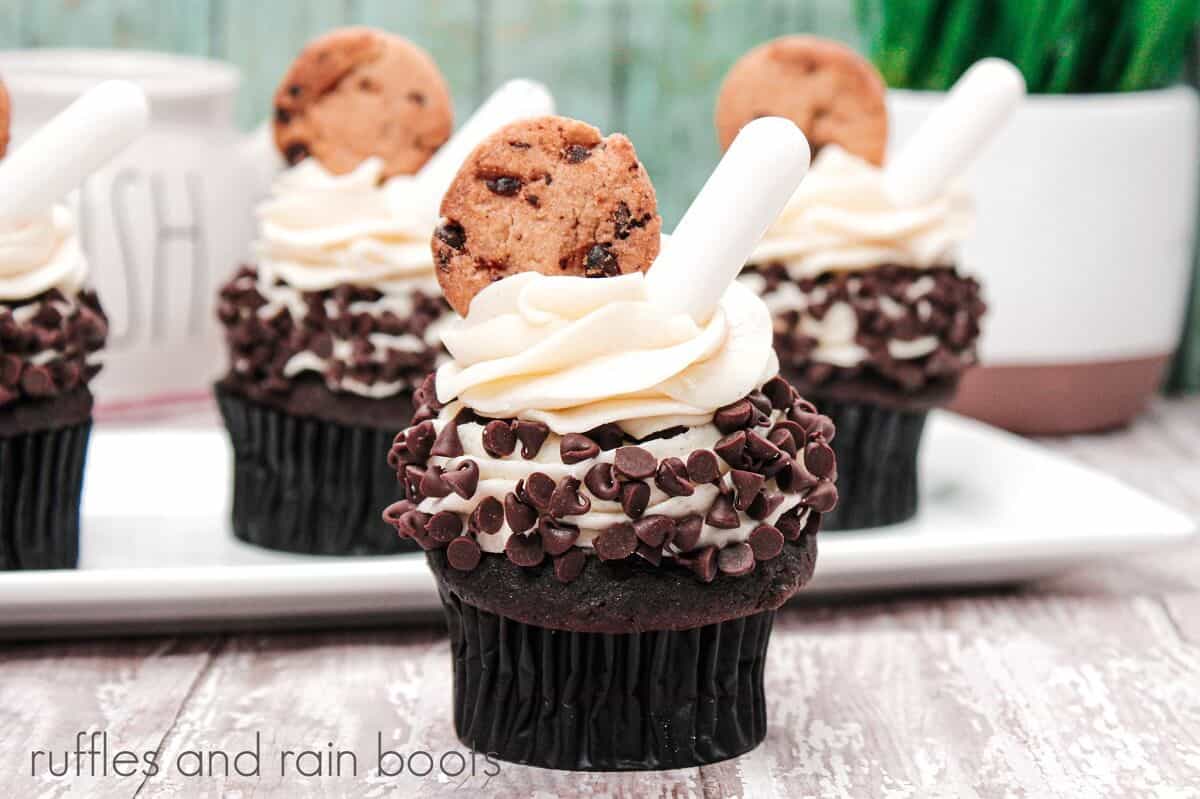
<point x="650" y="68"/>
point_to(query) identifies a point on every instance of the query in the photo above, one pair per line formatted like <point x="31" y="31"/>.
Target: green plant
<point x="1061" y="46"/>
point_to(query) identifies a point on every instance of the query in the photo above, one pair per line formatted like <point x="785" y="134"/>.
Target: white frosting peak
<point x="840" y="218"/>
<point x="41" y="252"/>
<point x="577" y="352"/>
<point x="319" y="230"/>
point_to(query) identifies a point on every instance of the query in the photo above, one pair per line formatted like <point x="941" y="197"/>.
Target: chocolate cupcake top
<point x="51" y="326"/>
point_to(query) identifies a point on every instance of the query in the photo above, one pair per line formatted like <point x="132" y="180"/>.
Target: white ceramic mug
<point x="163" y="224"/>
<point x="1085" y="228"/>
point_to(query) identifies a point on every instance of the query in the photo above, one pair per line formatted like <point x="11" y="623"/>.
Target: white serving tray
<point x="157" y="553"/>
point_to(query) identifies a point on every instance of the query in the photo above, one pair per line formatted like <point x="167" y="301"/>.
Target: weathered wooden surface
<point x="1085" y="685"/>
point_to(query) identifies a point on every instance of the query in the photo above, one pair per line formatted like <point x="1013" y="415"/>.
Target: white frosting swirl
<point x="577" y="352"/>
<point x="840" y="218"/>
<point x="39" y="253"/>
<point x="319" y="230"/>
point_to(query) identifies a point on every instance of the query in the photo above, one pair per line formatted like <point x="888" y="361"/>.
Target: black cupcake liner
<point x="307" y="485"/>
<point x="876" y="449"/>
<point x="607" y="702"/>
<point x="41" y="481"/>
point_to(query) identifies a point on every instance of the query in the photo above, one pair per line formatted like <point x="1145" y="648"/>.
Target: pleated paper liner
<point x="876" y="449"/>
<point x="607" y="702"/>
<point x="309" y="485"/>
<point x="41" y="481"/>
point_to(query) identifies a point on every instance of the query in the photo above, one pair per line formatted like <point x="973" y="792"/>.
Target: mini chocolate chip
<point x="566" y="499"/>
<point x="820" y="460"/>
<point x="448" y="444"/>
<point x="702" y="466"/>
<point x="672" y="478"/>
<point x="812" y="525"/>
<point x="617" y="542"/>
<point x="760" y="449"/>
<point x="601" y="262"/>
<point x="569" y="566"/>
<point x="789" y="524"/>
<point x="634" y="499"/>
<point x="414" y="525"/>
<point x="575" y="153"/>
<point x="634" y="463"/>
<point x="464" y="479"/>
<point x="419" y="440"/>
<point x="722" y="514"/>
<point x="607" y="436"/>
<point x="654" y="530"/>
<point x="736" y="416"/>
<point x="732" y="449"/>
<point x="294" y="90"/>
<point x="539" y="489"/>
<point x="575" y="448"/>
<point x="432" y="484"/>
<point x="687" y="532"/>
<point x="531" y="435"/>
<point x="282" y="115"/>
<point x="451" y="234"/>
<point x="525" y="549"/>
<point x="557" y="538"/>
<point x="296" y="152"/>
<point x="762" y="405"/>
<point x="748" y="486"/>
<point x="779" y="392"/>
<point x="602" y="482"/>
<point x="488" y="516"/>
<point x="504" y="185"/>
<point x="520" y="516"/>
<point x="652" y="555"/>
<point x="499" y="440"/>
<point x="795" y="477"/>
<point x="766" y="542"/>
<point x="463" y="554"/>
<point x="703" y="564"/>
<point x="393" y="512"/>
<point x="823" y="498"/>
<point x="411" y="480"/>
<point x="444" y="526"/>
<point x="10" y="370"/>
<point x="736" y="560"/>
<point x="764" y="505"/>
<point x="783" y="436"/>
<point x="802" y="406"/>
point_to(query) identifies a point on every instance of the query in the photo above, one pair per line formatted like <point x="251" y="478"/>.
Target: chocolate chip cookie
<point x="360" y="92"/>
<point x="833" y="94"/>
<point x="546" y="195"/>
<point x="5" y="113"/>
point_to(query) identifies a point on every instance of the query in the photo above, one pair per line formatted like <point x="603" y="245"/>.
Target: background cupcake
<point x="874" y="318"/>
<point x="337" y="321"/>
<point x="52" y="327"/>
<point x="606" y="487"/>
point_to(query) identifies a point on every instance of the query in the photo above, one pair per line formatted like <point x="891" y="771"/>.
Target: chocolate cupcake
<point x="873" y="318"/>
<point x="336" y="322"/>
<point x="51" y="332"/>
<point x="614" y="498"/>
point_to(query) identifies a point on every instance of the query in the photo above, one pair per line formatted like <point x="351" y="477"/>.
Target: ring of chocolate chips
<point x="795" y="452"/>
<point x="262" y="347"/>
<point x="70" y="336"/>
<point x="951" y="314"/>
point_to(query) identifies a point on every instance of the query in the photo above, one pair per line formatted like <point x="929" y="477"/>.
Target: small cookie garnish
<point x="831" y="92"/>
<point x="545" y="195"/>
<point x="5" y="113"/>
<point x="359" y="92"/>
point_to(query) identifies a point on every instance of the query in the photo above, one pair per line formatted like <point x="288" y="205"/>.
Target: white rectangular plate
<point x="157" y="552"/>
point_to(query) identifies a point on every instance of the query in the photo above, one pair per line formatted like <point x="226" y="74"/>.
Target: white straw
<point x="516" y="99"/>
<point x="71" y="146"/>
<point x="955" y="132"/>
<point x="743" y="196"/>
